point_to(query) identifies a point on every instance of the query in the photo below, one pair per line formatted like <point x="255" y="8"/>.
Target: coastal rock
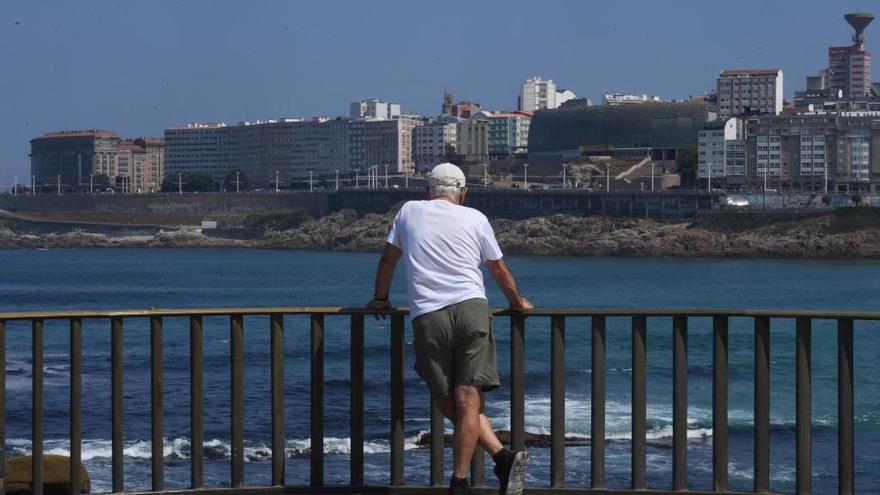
<point x="56" y="475"/>
<point x="837" y="234"/>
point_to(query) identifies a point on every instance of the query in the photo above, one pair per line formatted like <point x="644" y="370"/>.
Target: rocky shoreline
<point x="837" y="235"/>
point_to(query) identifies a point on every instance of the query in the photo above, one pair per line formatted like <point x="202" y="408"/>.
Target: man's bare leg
<point x="488" y="440"/>
<point x="467" y="428"/>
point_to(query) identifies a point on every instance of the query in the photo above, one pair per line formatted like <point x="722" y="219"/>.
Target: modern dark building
<point x="624" y="131"/>
<point x="71" y="157"/>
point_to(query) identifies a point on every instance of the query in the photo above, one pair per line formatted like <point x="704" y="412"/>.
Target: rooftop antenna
<point x="858" y="21"/>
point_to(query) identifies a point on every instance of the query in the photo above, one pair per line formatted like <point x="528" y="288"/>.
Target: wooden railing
<point x="638" y="318"/>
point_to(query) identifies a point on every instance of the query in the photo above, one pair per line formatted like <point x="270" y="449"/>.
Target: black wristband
<point x="380" y="299"/>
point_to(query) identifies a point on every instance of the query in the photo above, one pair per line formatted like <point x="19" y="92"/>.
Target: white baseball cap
<point x="446" y="174"/>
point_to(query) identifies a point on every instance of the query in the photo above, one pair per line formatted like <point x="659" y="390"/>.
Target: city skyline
<point x="230" y="69"/>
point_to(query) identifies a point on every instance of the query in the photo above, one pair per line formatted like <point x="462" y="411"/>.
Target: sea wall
<point x="494" y="203"/>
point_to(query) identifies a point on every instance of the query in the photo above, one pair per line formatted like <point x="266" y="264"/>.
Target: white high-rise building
<point x="537" y="94"/>
<point x="374" y="109"/>
<point x="716" y="141"/>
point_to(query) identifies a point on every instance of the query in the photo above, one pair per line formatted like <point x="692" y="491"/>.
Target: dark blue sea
<point x="140" y="278"/>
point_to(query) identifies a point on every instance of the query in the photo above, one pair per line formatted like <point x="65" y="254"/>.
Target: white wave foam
<point x="180" y="448"/>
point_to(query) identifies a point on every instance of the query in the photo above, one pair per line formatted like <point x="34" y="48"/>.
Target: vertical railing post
<point x="639" y="401"/>
<point x="597" y="403"/>
<point x="517" y="381"/>
<point x="719" y="402"/>
<point x="437" y="439"/>
<point x="397" y="403"/>
<point x="317" y="402"/>
<point x="557" y="401"/>
<point x="236" y="340"/>
<point x="117" y="442"/>
<point x="196" y="403"/>
<point x="75" y="405"/>
<point x="37" y="411"/>
<point x="2" y="407"/>
<point x="357" y="399"/>
<point x="679" y="403"/>
<point x="762" y="404"/>
<point x="478" y="467"/>
<point x="158" y="437"/>
<point x="277" y="349"/>
<point x="845" y="445"/>
<point x="803" y="421"/>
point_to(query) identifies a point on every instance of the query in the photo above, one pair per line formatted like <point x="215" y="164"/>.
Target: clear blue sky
<point x="138" y="67"/>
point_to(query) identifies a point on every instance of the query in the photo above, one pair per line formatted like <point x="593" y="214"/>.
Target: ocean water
<point x="139" y="278"/>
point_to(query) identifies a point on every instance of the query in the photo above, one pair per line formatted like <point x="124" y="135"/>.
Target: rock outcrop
<point x="853" y="233"/>
<point x="56" y="475"/>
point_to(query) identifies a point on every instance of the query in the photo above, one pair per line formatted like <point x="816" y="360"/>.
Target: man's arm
<point x="507" y="284"/>
<point x="384" y="273"/>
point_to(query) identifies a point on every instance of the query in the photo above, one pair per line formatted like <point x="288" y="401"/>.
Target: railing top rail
<point x="330" y="310"/>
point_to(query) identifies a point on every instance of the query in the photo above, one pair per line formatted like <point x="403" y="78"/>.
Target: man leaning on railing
<point x="442" y="244"/>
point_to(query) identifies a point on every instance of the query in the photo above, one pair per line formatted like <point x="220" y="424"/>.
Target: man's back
<point x="443" y="245"/>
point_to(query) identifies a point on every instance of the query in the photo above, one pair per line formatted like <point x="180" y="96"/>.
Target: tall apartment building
<point x="286" y="149"/>
<point x="198" y="148"/>
<point x="155" y="154"/>
<point x="131" y="161"/>
<point x="849" y="67"/>
<point x="509" y="134"/>
<point x="381" y="143"/>
<point x="749" y="91"/>
<point x="721" y="150"/>
<point x="374" y="109"/>
<point x="472" y="140"/>
<point x="798" y="152"/>
<point x="537" y="94"/>
<point x="433" y="143"/>
<point x="291" y="149"/>
<point x="73" y="157"/>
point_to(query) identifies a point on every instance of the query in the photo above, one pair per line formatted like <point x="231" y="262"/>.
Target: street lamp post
<point x="337" y="180"/>
<point x="311" y="186"/>
<point x="59" y="184"/>
<point x="91" y="184"/>
<point x="237" y="186"/>
<point x="607" y="177"/>
<point x="277" y="178"/>
<point x="485" y="175"/>
<point x="826" y="177"/>
<point x="386" y="176"/>
<point x="179" y="183"/>
<point x="14" y="185"/>
<point x="563" y="176"/>
<point x="652" y="175"/>
<point x="526" y="176"/>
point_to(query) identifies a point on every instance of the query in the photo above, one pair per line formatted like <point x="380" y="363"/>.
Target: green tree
<point x="826" y="199"/>
<point x="190" y="182"/>
<point x="687" y="166"/>
<point x="235" y="180"/>
<point x="100" y="182"/>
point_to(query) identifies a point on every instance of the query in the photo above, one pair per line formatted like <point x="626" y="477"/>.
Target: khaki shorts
<point x="455" y="346"/>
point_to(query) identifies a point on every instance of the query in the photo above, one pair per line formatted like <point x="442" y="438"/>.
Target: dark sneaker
<point x="460" y="487"/>
<point x="511" y="473"/>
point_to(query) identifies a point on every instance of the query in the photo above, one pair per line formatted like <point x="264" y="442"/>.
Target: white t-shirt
<point x="443" y="245"/>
